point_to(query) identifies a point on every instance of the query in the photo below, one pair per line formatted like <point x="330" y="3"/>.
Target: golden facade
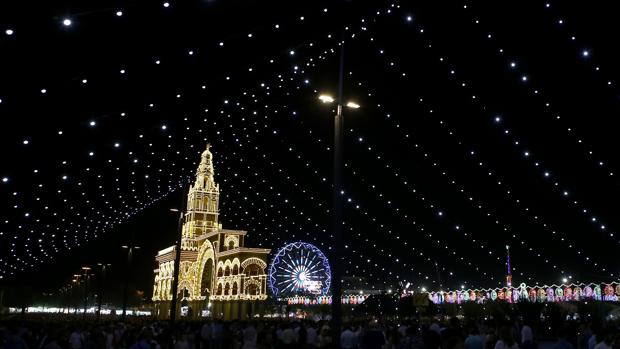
<point x="216" y="270"/>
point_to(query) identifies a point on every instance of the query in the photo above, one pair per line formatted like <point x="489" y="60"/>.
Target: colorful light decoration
<point x="541" y="294"/>
<point x="299" y="268"/>
<point x="324" y="300"/>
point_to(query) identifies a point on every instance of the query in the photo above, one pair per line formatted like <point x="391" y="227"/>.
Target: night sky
<point x="481" y="125"/>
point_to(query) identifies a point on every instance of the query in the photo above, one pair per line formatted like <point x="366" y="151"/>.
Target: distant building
<point x="219" y="277"/>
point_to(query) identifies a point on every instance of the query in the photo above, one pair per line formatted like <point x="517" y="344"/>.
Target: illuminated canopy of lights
<point x="448" y="157"/>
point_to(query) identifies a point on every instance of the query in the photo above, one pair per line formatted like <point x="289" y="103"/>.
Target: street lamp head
<point x="174" y="210"/>
<point x="86" y="268"/>
<point x="326" y="98"/>
<point x="353" y="105"/>
<point x="125" y="246"/>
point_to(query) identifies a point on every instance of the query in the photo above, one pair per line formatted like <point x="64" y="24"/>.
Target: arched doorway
<point x="206" y="287"/>
<point x="204" y="277"/>
<point x="206" y="280"/>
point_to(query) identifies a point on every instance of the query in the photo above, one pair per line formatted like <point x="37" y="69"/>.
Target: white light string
<point x="546" y="174"/>
<point x="351" y="201"/>
<point x="583" y="51"/>
<point x="513" y="65"/>
<point x="64" y="177"/>
<point x="490" y="172"/>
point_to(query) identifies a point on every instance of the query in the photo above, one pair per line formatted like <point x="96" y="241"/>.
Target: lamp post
<point x="85" y="269"/>
<point x="75" y="297"/>
<point x="177" y="265"/>
<point x="130" y="250"/>
<point x="336" y="284"/>
<point x="101" y="285"/>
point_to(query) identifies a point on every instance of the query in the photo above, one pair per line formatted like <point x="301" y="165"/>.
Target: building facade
<point x="218" y="275"/>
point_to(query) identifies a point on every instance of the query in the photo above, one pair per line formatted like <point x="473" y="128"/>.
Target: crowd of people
<point x="281" y="334"/>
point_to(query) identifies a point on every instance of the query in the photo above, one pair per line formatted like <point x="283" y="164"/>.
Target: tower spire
<point x="509" y="274"/>
<point x="205" y="172"/>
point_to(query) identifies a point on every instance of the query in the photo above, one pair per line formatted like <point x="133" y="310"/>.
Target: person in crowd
<point x="474" y="339"/>
<point x="431" y="337"/>
<point x="205" y="335"/>
<point x="250" y="336"/>
<point x="348" y="338"/>
<point x="373" y="338"/>
<point x="325" y="337"/>
<point x="14" y="340"/>
<point x="217" y="335"/>
<point x="288" y="336"/>
<point x="594" y="338"/>
<point x="76" y="339"/>
<point x="52" y="342"/>
<point x="311" y="335"/>
<point x="606" y="338"/>
<point x="454" y="342"/>
<point x="527" y="337"/>
<point x="392" y="335"/>
<point x="411" y="340"/>
<point x="143" y="342"/>
<point x="561" y="342"/>
<point x="181" y="342"/>
<point x="506" y="339"/>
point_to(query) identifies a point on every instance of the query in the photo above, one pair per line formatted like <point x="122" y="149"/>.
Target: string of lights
<point x="423" y="194"/>
<point x="513" y="65"/>
<point x="351" y="201"/>
<point x="473" y="155"/>
<point x="100" y="225"/>
<point x="517" y="142"/>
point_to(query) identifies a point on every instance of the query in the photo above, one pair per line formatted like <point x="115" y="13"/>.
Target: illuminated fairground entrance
<point x="218" y="277"/>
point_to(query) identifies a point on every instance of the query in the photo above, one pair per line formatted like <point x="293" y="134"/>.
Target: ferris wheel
<point x="299" y="268"/>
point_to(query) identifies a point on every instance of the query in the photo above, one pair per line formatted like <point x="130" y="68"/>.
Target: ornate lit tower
<point x="203" y="202"/>
<point x="509" y="275"/>
<point x="218" y="275"/>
